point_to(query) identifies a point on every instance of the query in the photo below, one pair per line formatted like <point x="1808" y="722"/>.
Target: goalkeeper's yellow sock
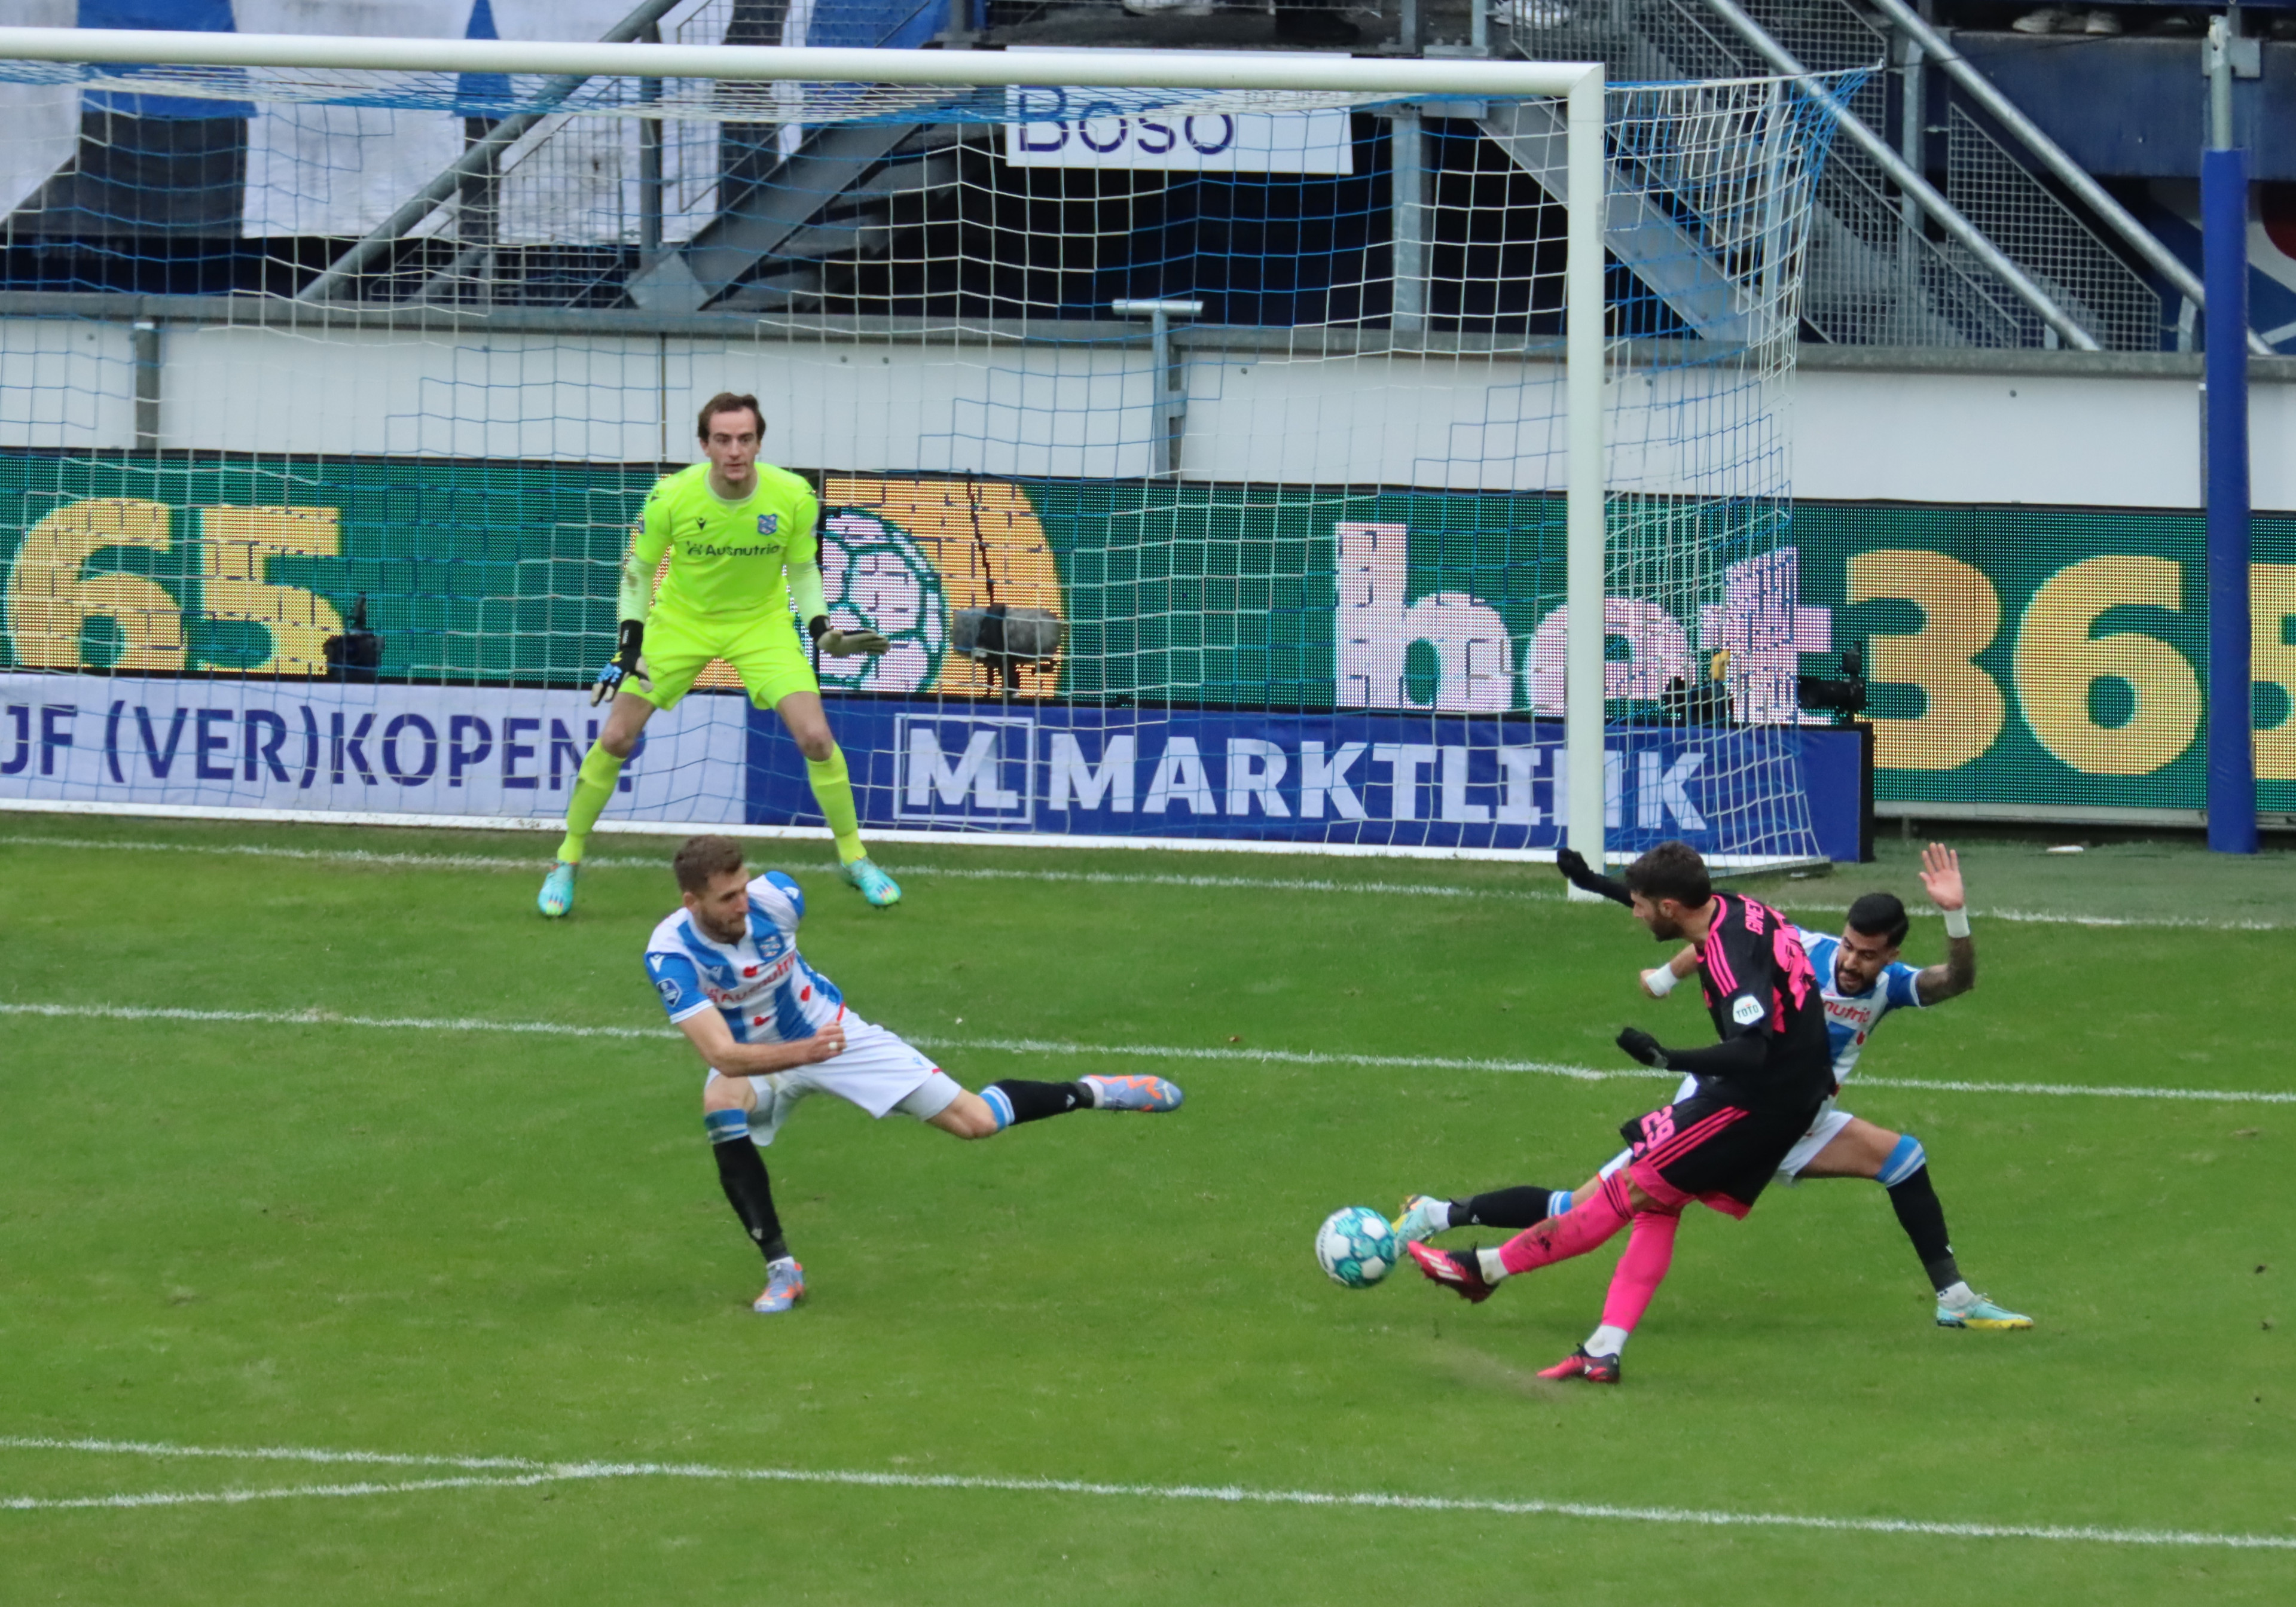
<point x="594" y="784"/>
<point x="832" y="790"/>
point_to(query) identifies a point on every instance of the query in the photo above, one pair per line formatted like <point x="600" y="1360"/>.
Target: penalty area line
<point x="371" y="859"/>
<point x="536" y="1472"/>
<point x="1119" y="1052"/>
<point x="286" y="1492"/>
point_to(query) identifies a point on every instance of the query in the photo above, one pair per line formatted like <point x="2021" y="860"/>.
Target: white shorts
<point x="877" y="1072"/>
<point x="1822" y="1132"/>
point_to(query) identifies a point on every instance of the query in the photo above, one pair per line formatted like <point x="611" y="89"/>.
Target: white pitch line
<point x="2166" y="922"/>
<point x="1119" y="1052"/>
<point x="351" y="857"/>
<point x="1408" y="890"/>
<point x="272" y="1453"/>
<point x="239" y="1497"/>
<point x="536" y="1472"/>
<point x="363" y="857"/>
<point x="328" y="1018"/>
<point x="367" y="858"/>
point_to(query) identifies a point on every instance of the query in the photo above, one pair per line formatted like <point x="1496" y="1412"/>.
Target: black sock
<point x="1033" y="1102"/>
<point x="741" y="1173"/>
<point x="1524" y="1207"/>
<point x="1919" y="1213"/>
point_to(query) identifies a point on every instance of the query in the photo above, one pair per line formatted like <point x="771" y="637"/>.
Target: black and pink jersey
<point x="1758" y="980"/>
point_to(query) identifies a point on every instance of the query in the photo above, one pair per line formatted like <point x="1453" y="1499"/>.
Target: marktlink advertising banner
<point x="2018" y="655"/>
<point x="940" y="765"/>
<point x="1384" y="779"/>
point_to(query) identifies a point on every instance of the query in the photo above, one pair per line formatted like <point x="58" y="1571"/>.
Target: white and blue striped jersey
<point x="1851" y="1018"/>
<point x="761" y="985"/>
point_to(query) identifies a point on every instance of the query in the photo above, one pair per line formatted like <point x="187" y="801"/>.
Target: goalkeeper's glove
<point x="845" y="644"/>
<point x="626" y="663"/>
<point x="1642" y="1046"/>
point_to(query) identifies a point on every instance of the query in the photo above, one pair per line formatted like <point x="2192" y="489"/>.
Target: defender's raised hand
<point x="1941" y="877"/>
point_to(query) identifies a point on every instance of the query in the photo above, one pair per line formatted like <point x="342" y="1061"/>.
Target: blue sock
<point x="999" y="1105"/>
<point x="1903" y="1162"/>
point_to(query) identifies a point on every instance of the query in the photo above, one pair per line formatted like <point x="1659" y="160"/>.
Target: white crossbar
<point x="765" y="63"/>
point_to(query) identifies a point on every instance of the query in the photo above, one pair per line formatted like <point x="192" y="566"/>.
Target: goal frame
<point x="1581" y="85"/>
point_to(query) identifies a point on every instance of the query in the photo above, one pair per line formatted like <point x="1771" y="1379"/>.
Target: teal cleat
<point x="784" y="1288"/>
<point x="1978" y="1312"/>
<point x="880" y="890"/>
<point x="1152" y="1094"/>
<point x="1418" y="1225"/>
<point x="558" y="889"/>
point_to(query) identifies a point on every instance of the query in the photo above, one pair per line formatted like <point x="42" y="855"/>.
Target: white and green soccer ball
<point x="1356" y="1247"/>
<point x="874" y="576"/>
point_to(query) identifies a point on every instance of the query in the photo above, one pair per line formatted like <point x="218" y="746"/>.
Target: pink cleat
<point x="1593" y="1369"/>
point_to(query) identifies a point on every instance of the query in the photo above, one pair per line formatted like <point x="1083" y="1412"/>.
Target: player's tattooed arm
<point x="1941" y="880"/>
<point x="1957" y="976"/>
<point x="713" y="1041"/>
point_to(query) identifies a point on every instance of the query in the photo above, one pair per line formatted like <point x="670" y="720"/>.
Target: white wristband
<point x="1660" y="982"/>
<point x="1956" y="922"/>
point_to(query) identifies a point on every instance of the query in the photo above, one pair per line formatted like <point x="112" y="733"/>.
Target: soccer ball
<point x="875" y="575"/>
<point x="1356" y="1247"/>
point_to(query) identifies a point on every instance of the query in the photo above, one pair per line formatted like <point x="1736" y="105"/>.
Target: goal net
<point x="1205" y="453"/>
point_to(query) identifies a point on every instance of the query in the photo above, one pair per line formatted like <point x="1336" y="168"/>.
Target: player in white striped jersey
<point x="1863" y="981"/>
<point x="771" y="1029"/>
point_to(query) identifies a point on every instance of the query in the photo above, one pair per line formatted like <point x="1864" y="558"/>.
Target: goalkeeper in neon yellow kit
<point x="732" y="528"/>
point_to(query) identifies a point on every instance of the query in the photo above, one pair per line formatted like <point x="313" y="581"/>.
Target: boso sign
<point x="1055" y="128"/>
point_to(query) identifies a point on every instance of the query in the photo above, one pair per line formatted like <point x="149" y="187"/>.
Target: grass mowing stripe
<point x="1029" y="1046"/>
<point x="539" y="1472"/>
<point x="1403" y="890"/>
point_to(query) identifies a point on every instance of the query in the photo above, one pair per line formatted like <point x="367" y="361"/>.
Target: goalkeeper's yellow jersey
<point x="726" y="558"/>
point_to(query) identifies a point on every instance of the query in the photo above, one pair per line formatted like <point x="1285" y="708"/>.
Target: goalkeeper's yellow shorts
<point x="762" y="648"/>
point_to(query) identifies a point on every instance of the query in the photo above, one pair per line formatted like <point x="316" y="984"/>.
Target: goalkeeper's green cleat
<point x="558" y="889"/>
<point x="1418" y="1222"/>
<point x="880" y="889"/>
<point x="1978" y="1312"/>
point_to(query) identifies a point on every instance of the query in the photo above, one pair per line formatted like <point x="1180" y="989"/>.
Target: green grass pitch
<point x="485" y="1244"/>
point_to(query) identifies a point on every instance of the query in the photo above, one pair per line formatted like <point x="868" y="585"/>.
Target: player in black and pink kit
<point x="1759" y="1089"/>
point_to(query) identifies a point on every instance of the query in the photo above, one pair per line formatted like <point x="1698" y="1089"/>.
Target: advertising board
<point x="2020" y="656"/>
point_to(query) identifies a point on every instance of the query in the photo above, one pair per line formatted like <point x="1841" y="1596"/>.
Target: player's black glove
<point x="1642" y="1046"/>
<point x="626" y="663"/>
<point x="1576" y="871"/>
<point x="845" y="644"/>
